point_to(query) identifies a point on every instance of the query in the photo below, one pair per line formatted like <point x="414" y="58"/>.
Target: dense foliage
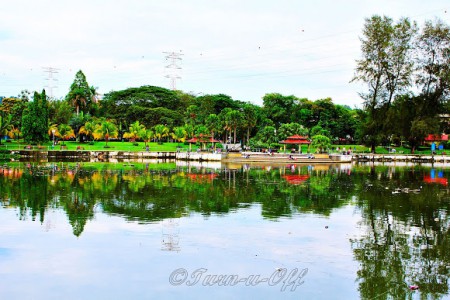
<point x="406" y="69"/>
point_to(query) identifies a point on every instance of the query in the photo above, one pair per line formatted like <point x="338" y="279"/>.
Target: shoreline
<point x="242" y="157"/>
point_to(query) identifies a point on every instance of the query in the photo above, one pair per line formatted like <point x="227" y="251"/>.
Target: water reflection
<point x="404" y="230"/>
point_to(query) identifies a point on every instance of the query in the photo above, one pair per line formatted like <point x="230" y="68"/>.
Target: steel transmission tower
<point x="50" y="80"/>
<point x="173" y="68"/>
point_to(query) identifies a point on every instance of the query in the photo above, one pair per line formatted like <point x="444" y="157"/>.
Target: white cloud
<point x="241" y="48"/>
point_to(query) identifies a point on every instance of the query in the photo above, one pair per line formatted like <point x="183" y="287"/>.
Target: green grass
<point x="172" y="147"/>
<point x="100" y="146"/>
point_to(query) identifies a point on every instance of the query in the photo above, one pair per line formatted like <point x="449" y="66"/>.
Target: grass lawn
<point x="100" y="146"/>
<point x="172" y="147"/>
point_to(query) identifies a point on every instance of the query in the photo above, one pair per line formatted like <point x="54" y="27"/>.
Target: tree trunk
<point x="248" y="136"/>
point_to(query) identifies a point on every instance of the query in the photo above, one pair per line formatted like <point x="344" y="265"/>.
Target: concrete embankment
<point x="244" y="157"/>
<point x="247" y="157"/>
<point x="415" y="158"/>
<point x="81" y="154"/>
<point x="86" y="155"/>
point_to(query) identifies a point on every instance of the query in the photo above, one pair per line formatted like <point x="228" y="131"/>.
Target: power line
<point x="173" y="68"/>
<point x="50" y="79"/>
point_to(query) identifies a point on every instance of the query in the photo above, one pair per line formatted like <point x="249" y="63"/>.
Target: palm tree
<point x="5" y="126"/>
<point x="15" y="133"/>
<point x="136" y="131"/>
<point x="88" y="129"/>
<point x="161" y="131"/>
<point x="233" y="120"/>
<point x="213" y="124"/>
<point x="179" y="134"/>
<point x="106" y="129"/>
<point x="250" y="119"/>
<point x="147" y="135"/>
<point x="80" y="93"/>
<point x="65" y="132"/>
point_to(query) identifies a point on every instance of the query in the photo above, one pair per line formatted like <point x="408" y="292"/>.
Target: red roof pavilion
<point x="296" y="140"/>
<point x="436" y="138"/>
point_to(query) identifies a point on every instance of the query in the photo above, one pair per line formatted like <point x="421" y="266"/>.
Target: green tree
<point x="433" y="62"/>
<point x="290" y="129"/>
<point x="319" y="130"/>
<point x="250" y="118"/>
<point x="189" y="130"/>
<point x="279" y="108"/>
<point x="77" y="121"/>
<point x="5" y="126"/>
<point x="179" y="134"/>
<point x="80" y="94"/>
<point x="321" y="142"/>
<point x="212" y="123"/>
<point x="233" y="120"/>
<point x="88" y="129"/>
<point x="65" y="132"/>
<point x="386" y="67"/>
<point x="201" y="131"/>
<point x="35" y="119"/>
<point x="60" y="112"/>
<point x="106" y="130"/>
<point x="14" y="107"/>
<point x="136" y="131"/>
<point x="161" y="131"/>
<point x="265" y="138"/>
<point x="147" y="135"/>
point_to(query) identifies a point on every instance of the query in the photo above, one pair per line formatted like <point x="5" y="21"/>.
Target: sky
<point x="244" y="49"/>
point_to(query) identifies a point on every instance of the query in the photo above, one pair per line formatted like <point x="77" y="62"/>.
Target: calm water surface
<point x="144" y="231"/>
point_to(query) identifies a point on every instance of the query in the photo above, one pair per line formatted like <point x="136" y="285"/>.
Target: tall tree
<point x="5" y="126"/>
<point x="250" y="118"/>
<point x="386" y="67"/>
<point x="213" y="124"/>
<point x="234" y="120"/>
<point x="433" y="63"/>
<point x="279" y="108"/>
<point x="35" y="119"/>
<point x="80" y="94"/>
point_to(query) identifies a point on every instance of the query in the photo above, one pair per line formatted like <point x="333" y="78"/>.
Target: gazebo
<point x="295" y="140"/>
<point x="203" y="140"/>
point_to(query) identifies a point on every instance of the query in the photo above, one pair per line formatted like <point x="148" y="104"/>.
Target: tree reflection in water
<point x="404" y="228"/>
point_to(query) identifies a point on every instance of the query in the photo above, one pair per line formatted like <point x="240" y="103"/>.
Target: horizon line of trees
<point x="406" y="69"/>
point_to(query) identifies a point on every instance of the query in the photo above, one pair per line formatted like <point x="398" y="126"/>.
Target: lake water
<point x="167" y="231"/>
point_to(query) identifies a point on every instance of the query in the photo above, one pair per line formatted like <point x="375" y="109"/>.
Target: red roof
<point x="202" y="177"/>
<point x="295" y="179"/>
<point x="436" y="138"/>
<point x="296" y="139"/>
<point x="429" y="179"/>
